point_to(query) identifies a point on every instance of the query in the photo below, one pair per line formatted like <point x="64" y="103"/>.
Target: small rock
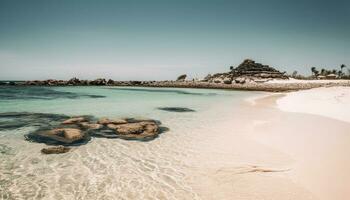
<point x="74" y="120"/>
<point x="227" y="80"/>
<point x="86" y="125"/>
<point x="240" y="80"/>
<point x="217" y="80"/>
<point x="181" y="77"/>
<point x="55" y="150"/>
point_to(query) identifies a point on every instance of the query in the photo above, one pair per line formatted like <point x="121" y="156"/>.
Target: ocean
<point x="104" y="168"/>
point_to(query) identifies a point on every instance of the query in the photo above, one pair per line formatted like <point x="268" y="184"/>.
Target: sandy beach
<point x="283" y="155"/>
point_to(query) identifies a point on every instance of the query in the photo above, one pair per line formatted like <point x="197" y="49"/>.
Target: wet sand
<point x="271" y="154"/>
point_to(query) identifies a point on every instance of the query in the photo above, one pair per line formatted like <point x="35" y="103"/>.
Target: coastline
<point x="269" y="85"/>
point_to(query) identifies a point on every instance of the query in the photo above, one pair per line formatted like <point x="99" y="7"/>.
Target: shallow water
<point x="110" y="168"/>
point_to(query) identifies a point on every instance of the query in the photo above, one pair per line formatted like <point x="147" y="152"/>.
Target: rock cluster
<point x="71" y="82"/>
<point x="252" y="69"/>
<point x="78" y="130"/>
<point x="247" y="71"/>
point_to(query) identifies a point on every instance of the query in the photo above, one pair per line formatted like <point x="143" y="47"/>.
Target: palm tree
<point x="323" y="71"/>
<point x="313" y="70"/>
<point x="342" y="66"/>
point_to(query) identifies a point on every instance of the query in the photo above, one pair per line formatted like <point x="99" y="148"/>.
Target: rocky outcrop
<point x="181" y="77"/>
<point x="55" y="150"/>
<point x="247" y="71"/>
<point x="249" y="68"/>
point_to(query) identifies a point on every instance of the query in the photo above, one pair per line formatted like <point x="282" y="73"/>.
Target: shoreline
<point x="317" y="142"/>
<point x="273" y="85"/>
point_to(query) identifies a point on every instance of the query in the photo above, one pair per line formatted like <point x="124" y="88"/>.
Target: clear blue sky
<point x="161" y="39"/>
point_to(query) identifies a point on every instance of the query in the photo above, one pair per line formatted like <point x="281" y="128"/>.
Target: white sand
<point x="292" y="80"/>
<point x="333" y="102"/>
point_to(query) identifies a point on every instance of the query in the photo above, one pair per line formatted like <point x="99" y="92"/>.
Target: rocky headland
<point x="249" y="75"/>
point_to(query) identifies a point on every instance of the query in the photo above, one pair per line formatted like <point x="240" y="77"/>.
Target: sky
<point x="158" y="40"/>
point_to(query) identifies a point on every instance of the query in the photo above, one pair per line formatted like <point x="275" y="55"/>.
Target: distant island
<point x="249" y="75"/>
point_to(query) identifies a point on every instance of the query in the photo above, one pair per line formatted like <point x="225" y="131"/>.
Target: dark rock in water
<point x="129" y="129"/>
<point x="106" y="121"/>
<point x="44" y="93"/>
<point x="75" y="120"/>
<point x="55" y="150"/>
<point x="59" y="136"/>
<point x="176" y="109"/>
<point x="181" y="77"/>
<point x="104" y="133"/>
<point x="144" y="131"/>
<point x="90" y="126"/>
<point x="15" y="120"/>
<point x="63" y="130"/>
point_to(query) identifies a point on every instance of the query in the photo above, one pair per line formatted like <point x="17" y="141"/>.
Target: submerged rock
<point x="140" y="130"/>
<point x="93" y="126"/>
<point x="63" y="130"/>
<point x="74" y="120"/>
<point x="55" y="150"/>
<point x="176" y="109"/>
<point x="59" y="136"/>
<point x="105" y="121"/>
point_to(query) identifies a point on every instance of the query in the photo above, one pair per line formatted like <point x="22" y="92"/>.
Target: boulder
<point x="181" y="77"/>
<point x="218" y="80"/>
<point x="73" y="81"/>
<point x="240" y="80"/>
<point x="92" y="126"/>
<point x="75" y="120"/>
<point x="55" y="150"/>
<point x="227" y="80"/>
<point x="59" y="136"/>
<point x="207" y="78"/>
<point x="99" y="81"/>
<point x="110" y="82"/>
<point x="145" y="130"/>
<point x="105" y="121"/>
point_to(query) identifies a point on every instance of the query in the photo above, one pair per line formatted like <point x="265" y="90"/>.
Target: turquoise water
<point x="110" y="168"/>
<point x="112" y="101"/>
